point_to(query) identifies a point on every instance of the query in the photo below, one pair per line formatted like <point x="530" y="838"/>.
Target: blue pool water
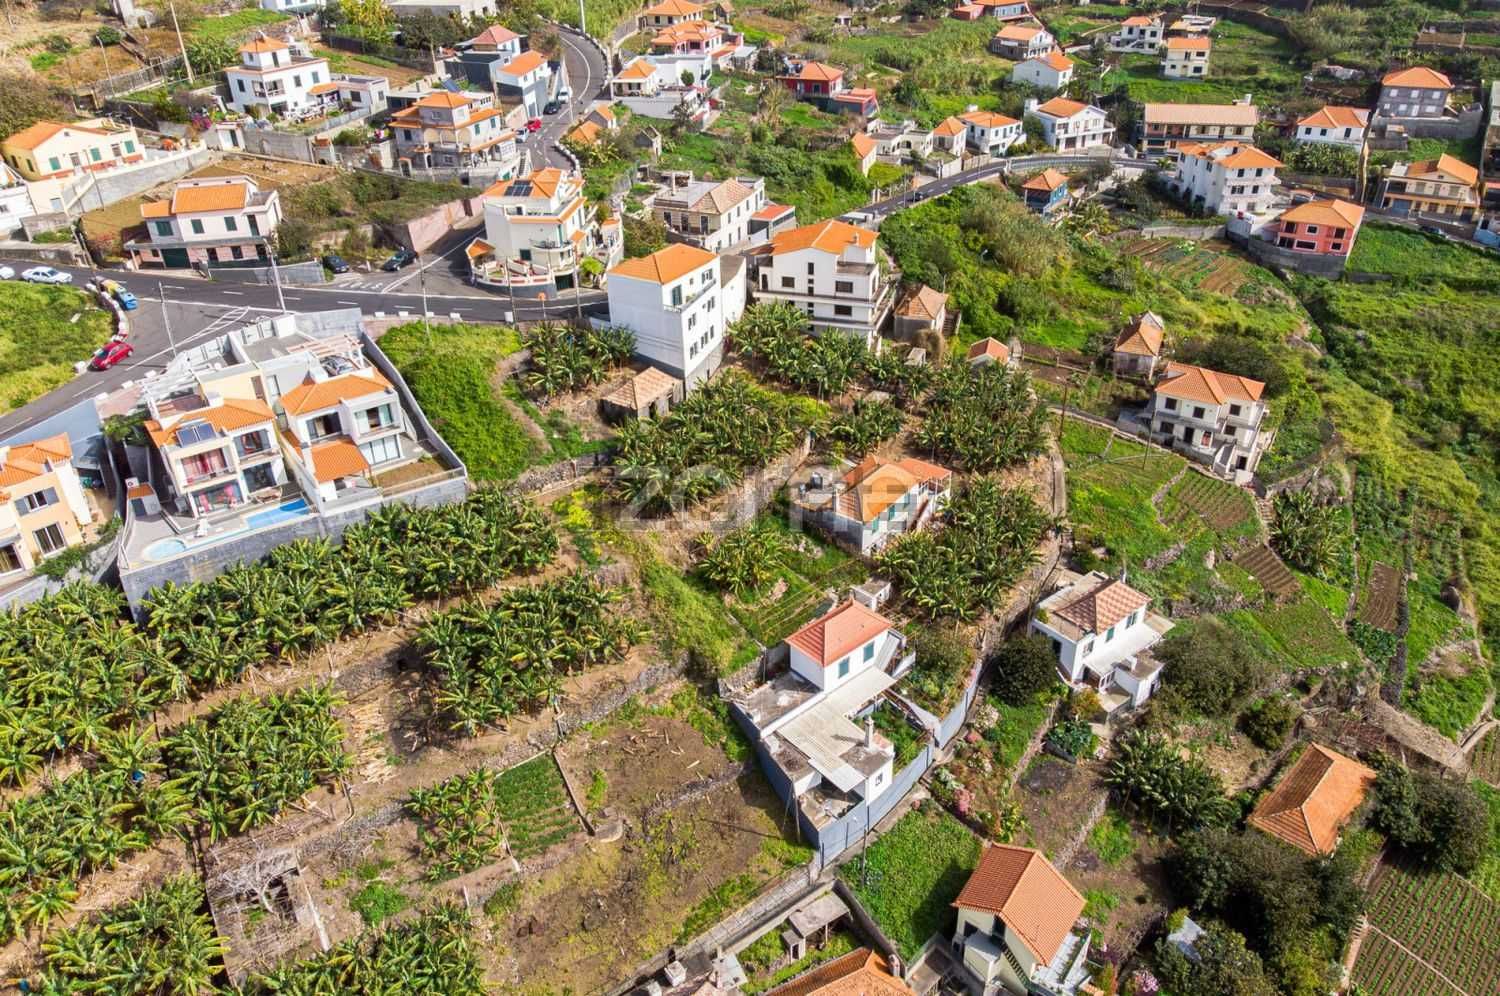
<point x="163" y="549"/>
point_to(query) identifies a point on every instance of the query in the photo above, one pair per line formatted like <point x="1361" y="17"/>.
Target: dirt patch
<point x="1129" y="895"/>
<point x="631" y="766"/>
<point x="1057" y="798"/>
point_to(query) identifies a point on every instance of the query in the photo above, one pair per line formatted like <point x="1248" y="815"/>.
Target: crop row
<point x="1445" y="921"/>
<point x="1383" y="969"/>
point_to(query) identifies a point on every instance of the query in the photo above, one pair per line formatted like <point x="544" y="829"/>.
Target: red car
<point x="535" y="124"/>
<point x="109" y="354"/>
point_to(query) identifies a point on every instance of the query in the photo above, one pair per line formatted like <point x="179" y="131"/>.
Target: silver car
<point x="47" y="275"/>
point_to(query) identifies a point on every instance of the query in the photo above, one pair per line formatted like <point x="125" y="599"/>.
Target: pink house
<point x="1324" y="227"/>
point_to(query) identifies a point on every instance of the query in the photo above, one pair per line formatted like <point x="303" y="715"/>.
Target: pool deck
<point x="147" y="530"/>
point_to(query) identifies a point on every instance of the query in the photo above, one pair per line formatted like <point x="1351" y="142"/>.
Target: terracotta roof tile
<point x="1202" y="114"/>
<point x="990" y="347"/>
<point x="771" y="212"/>
<point x="1062" y="107"/>
<point x="830" y="236"/>
<point x="817" y="72"/>
<point x="1334" y="212"/>
<point x="723" y="196"/>
<point x="262" y="45"/>
<point x="642" y="389"/>
<point x="844" y="628"/>
<point x="988" y="119"/>
<point x="1333" y="116"/>
<point x="858" y="973"/>
<point x="673" y="8"/>
<point x="1313" y="800"/>
<point x="1048" y="179"/>
<point x="1417" y="76"/>
<point x="665" y="265"/>
<point x="1456" y="168"/>
<point x="638" y="69"/>
<point x="312" y="396"/>
<point x="24" y="461"/>
<point x="495" y="34"/>
<point x="1020" y="32"/>
<point x="1056" y="61"/>
<point x="523" y="63"/>
<point x="1104" y="605"/>
<point x="230" y="415"/>
<point x="337" y="458"/>
<point x="924" y="303"/>
<point x="950" y="128"/>
<point x="1197" y="44"/>
<point x="585" y="134"/>
<point x="229" y="196"/>
<point x="1143" y="336"/>
<point x="1201" y="384"/>
<point x="863" y="145"/>
<point x="1021" y="887"/>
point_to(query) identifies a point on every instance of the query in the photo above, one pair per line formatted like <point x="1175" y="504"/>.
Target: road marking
<point x="233" y="293"/>
<point x="355" y="303"/>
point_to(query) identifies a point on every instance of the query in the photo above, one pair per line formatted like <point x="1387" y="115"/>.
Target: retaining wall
<point x="1272" y="255"/>
<point x="301" y="274"/>
<point x="421" y="232"/>
<point x="104" y="189"/>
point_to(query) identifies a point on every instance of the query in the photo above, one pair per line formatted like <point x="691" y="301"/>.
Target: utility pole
<point x="276" y="279"/>
<point x="186" y="62"/>
<point x="104" y="52"/>
<point x="422" y="279"/>
<point x="1062" y="412"/>
<point x="582" y="25"/>
<point x="166" y="320"/>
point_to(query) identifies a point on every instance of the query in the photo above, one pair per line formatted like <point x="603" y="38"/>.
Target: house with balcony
<point x="1049" y="71"/>
<point x="874" y="501"/>
<point x="1445" y="189"/>
<point x="1233" y="179"/>
<point x="652" y="86"/>
<point x="1071" y="126"/>
<point x="525" y="80"/>
<point x="831" y="271"/>
<point x="16" y="204"/>
<point x="1046" y="193"/>
<point x="1333" y="125"/>
<point x="221" y="220"/>
<point x="1138" y="347"/>
<point x="1001" y="10"/>
<point x="1018" y="42"/>
<point x="990" y="133"/>
<point x="1211" y="417"/>
<point x="538" y="228"/>
<point x="1164" y="127"/>
<point x="339" y="428"/>
<point x="678" y="305"/>
<point x="1186" y="57"/>
<point x="276" y="77"/>
<point x="475" y="61"/>
<point x="1102" y="631"/>
<point x="1140" y="34"/>
<point x="216" y="452"/>
<point x="43" y="507"/>
<point x="1324" y="228"/>
<point x="51" y="150"/>
<point x="447" y="129"/>
<point x="1416" y="92"/>
<point x="812" y="722"/>
<point x="669" y="12"/>
<point x="692" y="38"/>
<point x="710" y="214"/>
<point x="823" y="86"/>
<point x="1018" y="929"/>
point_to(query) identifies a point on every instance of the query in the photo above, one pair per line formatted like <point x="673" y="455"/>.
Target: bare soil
<point x="1139" y="883"/>
<point x="1056" y="796"/>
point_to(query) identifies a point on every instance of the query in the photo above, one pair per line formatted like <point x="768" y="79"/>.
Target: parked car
<point x="535" y="124"/>
<point x="335" y="263"/>
<point x="110" y="353"/>
<point x="6" y="273"/>
<point x="399" y="259"/>
<point x="47" y="275"/>
<point x="126" y="299"/>
<point x="1434" y="230"/>
<point x="563" y="94"/>
<point x="553" y="106"/>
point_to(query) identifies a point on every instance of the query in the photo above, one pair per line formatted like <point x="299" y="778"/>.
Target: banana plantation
<point x="564" y="358"/>
<point x="773" y="337"/>
<point x="982" y="419"/>
<point x="458" y="824"/>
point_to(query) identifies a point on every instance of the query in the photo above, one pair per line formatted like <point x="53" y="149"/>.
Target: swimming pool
<point x="285" y="512"/>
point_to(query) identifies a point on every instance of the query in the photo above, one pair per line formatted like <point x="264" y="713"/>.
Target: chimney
<point x="895" y="961"/>
<point x="870" y="731"/>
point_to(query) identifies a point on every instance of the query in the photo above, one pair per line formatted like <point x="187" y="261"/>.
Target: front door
<point x="175" y="259"/>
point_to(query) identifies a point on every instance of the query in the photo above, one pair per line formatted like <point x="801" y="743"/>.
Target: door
<point x="175" y="259"/>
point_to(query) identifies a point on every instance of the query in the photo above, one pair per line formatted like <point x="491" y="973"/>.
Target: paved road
<point x="1023" y="164"/>
<point x="588" y="75"/>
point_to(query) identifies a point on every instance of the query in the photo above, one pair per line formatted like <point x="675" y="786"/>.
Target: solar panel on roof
<point x="194" y="432"/>
<point x="450" y="85"/>
<point x="520" y="188"/>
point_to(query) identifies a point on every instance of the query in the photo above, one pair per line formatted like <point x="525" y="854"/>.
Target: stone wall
<point x="1317" y="264"/>
<point x="306" y="273"/>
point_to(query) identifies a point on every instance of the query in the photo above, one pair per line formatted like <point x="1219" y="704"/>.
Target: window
<point x="114" y="150"/>
<point x="789" y="281"/>
<point x="1171" y="404"/>
<point x="844" y="668"/>
<point x="1109" y="634"/>
<point x="10" y="561"/>
<point x="297" y="79"/>
<point x="870" y="650"/>
<point x="692" y="321"/>
<point x="129" y="147"/>
<point x="843" y="310"/>
<point x="236" y="252"/>
<point x="843" y="287"/>
<point x="163" y="228"/>
<point x="315" y="76"/>
<point x="53" y="164"/>
<point x="94" y="154"/>
<point x="677" y="296"/>
<point x="1312" y="229"/>
<point x="26" y="504"/>
<point x="1197" y="411"/>
<point x="231" y="225"/>
<point x="810" y="271"/>
<point x="49" y="539"/>
<point x="378" y="451"/>
<point x="197" y="226"/>
<point x="378" y="417"/>
<point x="324" y="426"/>
<point x="1085" y="648"/>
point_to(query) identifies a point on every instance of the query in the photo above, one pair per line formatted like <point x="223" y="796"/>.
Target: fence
<point x="137" y="79"/>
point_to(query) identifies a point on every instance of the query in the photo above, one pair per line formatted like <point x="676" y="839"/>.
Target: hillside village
<point x="790" y="497"/>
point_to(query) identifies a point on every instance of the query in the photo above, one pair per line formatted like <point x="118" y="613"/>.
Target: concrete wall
<point x="423" y="231"/>
<point x="104" y="189"/>
<point x="280" y="144"/>
<point x="1272" y="255"/>
<point x="309" y="272"/>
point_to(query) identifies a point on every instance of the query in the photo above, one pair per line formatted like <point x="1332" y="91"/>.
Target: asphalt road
<point x="588" y="74"/>
<point x="1023" y="164"/>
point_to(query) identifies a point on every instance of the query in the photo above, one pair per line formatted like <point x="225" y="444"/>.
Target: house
<point x="462" y="11"/>
<point x="1417" y="92"/>
<point x="1003" y="10"/>
<point x="1022" y="41"/>
<point x="216" y="452"/>
<point x="585" y="134"/>
<point x="49" y="150"/>
<point x="1139" y="34"/>
<point x="710" y="214"/>
<point x="339" y="428"/>
<point x="451" y="129"/>
<point x="1313" y="800"/>
<point x="1334" y="125"/>
<point x="1052" y="71"/>
<point x="832" y="271"/>
<point x="689" y="37"/>
<point x="1445" y="187"/>
<point x="1226" y="178"/>
<point x="276" y="77"/>
<point x="823" y="85"/>
<point x="477" y="59"/>
<point x="497" y="39"/>
<point x="670" y="12"/>
<point x="652" y="86"/>
<point x="649" y="394"/>
<point x="950" y="136"/>
<point x="1185" y="58"/>
<point x="865" y="150"/>
<point x="1069" y="126"/>
<point x="678" y="303"/>
<point x="1137" y="349"/>
<point x="924" y="310"/>
<point x="990" y="133"/>
<point x="770" y="221"/>
<point x="16" y="204"/>
<point x="365" y="94"/>
<point x="811" y="723"/>
<point x="859" y="973"/>
<point x="639" y="78"/>
<point x="538" y="229"/>
<point x="1192" y="26"/>
<point x="221" y="219"/>
<point x="43" y="507"/>
<point x="1211" y="417"/>
<point x="527" y="80"/>
<point x="1320" y="227"/>
<point x="1046" y="192"/>
<point x="603" y="116"/>
<point x="987" y="351"/>
<point x="875" y="502"/>
<point x="1102" y="631"/>
<point x="899" y="139"/>
<point x="1017" y="928"/>
<point x="1164" y="127"/>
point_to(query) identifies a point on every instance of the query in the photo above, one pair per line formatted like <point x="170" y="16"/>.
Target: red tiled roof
<point x="1333" y="212"/>
<point x="1102" y="606"/>
<point x="24" y="461"/>
<point x="1333" y="116"/>
<point x="1201" y="384"/>
<point x="1021" y="887"/>
<point x="991" y="347"/>
<point x="858" y="973"/>
<point x="1047" y="180"/>
<point x="1313" y="800"/>
<point x="1142" y="337"/>
<point x="313" y="396"/>
<point x="231" y="414"/>
<point x="846" y="627"/>
<point x="337" y="458"/>
<point x="1417" y="76"/>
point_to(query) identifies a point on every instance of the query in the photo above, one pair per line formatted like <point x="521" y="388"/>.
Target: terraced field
<point x="534" y="805"/>
<point x="1268" y="569"/>
<point x="1197" y="497"/>
<point x="1486" y="758"/>
<point x="1382" y="592"/>
<point x="1449" y="929"/>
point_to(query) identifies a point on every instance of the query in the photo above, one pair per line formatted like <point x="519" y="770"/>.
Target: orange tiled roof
<point x="1238" y="115"/>
<point x="639" y="69"/>
<point x="523" y="63"/>
<point x="665" y="265"/>
<point x="988" y="119"/>
<point x="24" y="461"/>
<point x="1056" y="61"/>
<point x="817" y="72"/>
<point x="950" y="128"/>
<point x="991" y="347"/>
<point x="858" y="973"/>
<point x="1333" y="116"/>
<point x="770" y="212"/>
<point x="863" y="145"/>
<point x="1417" y="76"/>
<point x="1048" y="179"/>
<point x="1020" y="32"/>
<point x="1456" y="168"/>
<point x="642" y="389"/>
<point x="1201" y="384"/>
<point x="543" y="181"/>
<point x="1138" y="21"/>
<point x="156" y="209"/>
<point x="1021" y="887"/>
<point x="1333" y="212"/>
<point x="445" y="99"/>
<point x="1313" y="800"/>
<point x="1062" y="107"/>
<point x="674" y="8"/>
<point x="1102" y="606"/>
<point x="262" y="45"/>
<point x="312" y="396"/>
<point x="846" y="627"/>
<point x="230" y="196"/>
<point x="232" y="414"/>
<point x="495" y="34"/>
<point x="585" y="134"/>
<point x="337" y="458"/>
<point x="924" y="303"/>
<point x="829" y="236"/>
<point x="30" y="138"/>
<point x="1194" y="44"/>
<point x="1142" y="337"/>
<point x="875" y="485"/>
<point x="328" y="87"/>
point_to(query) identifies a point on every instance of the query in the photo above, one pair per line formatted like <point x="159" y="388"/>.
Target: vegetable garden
<point x="1220" y="506"/>
<point x="1440" y="918"/>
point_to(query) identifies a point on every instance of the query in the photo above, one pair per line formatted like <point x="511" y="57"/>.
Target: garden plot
<point x="1199" y="498"/>
<point x="1274" y="576"/>
<point x="1486" y="758"/>
<point x="1194" y="264"/>
<point x="1382" y="592"/>
<point x="811" y="568"/>
<point x="1448" y="932"/>
<point x="1057" y="798"/>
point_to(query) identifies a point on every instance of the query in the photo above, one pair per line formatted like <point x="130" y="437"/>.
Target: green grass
<point x="809" y="569"/>
<point x="43" y="61"/>
<point x="1331" y="597"/>
<point x="687" y="616"/>
<point x="1487" y="876"/>
<point x="377" y="902"/>
<point x="1099" y="904"/>
<point x="1448" y="704"/>
<point x="40" y="342"/>
<point x="904" y="737"/>
<point x="1015" y="728"/>
<point x="226" y="27"/>
<point x="776" y="855"/>
<point x="533" y="804"/>
<point x="839" y="944"/>
<point x="907" y="880"/>
<point x="709" y="715"/>
<point x="451" y="373"/>
<point x="1112" y="839"/>
<point x="1304" y="632"/>
<point x="1408" y="253"/>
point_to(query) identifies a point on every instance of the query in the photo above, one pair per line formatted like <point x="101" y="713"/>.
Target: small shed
<point x="648" y="394"/>
<point x="923" y="310"/>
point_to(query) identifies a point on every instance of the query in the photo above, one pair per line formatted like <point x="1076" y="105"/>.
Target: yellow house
<point x="51" y="151"/>
<point x="42" y="505"/>
<point x="1441" y="186"/>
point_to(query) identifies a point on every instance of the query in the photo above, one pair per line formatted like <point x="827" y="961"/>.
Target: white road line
<point x="233" y="293"/>
<point x="355" y="303"/>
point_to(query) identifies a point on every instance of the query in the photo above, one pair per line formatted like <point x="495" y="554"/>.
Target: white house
<point x="1335" y="126"/>
<point x="1227" y="178"/>
<point x="340" y="428"/>
<point x="527" y="79"/>
<point x="1186" y="58"/>
<point x="217" y="452"/>
<point x="832" y="271"/>
<point x="220" y="219"/>
<point x="15" y="200"/>
<point x="876" y="501"/>
<point x="710" y="214"/>
<point x="538" y="228"/>
<point x="1022" y="41"/>
<point x="675" y="302"/>
<point x="1138" y="34"/>
<point x="1211" y="417"/>
<point x="1052" y="71"/>
<point x="1069" y="126"/>
<point x="1017" y="928"/>
<point x="454" y="129"/>
<point x="1100" y="629"/>
<point x="990" y="133"/>
<point x="274" y="76"/>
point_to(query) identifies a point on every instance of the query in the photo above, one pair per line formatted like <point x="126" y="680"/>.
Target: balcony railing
<point x="192" y="480"/>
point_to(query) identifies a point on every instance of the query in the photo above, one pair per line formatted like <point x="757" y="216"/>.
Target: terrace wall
<point x="308" y="272"/>
<point x="99" y="190"/>
<point x="1328" y="265"/>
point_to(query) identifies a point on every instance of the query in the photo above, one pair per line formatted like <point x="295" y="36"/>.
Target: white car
<point x="6" y="273"/>
<point x="47" y="275"/>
